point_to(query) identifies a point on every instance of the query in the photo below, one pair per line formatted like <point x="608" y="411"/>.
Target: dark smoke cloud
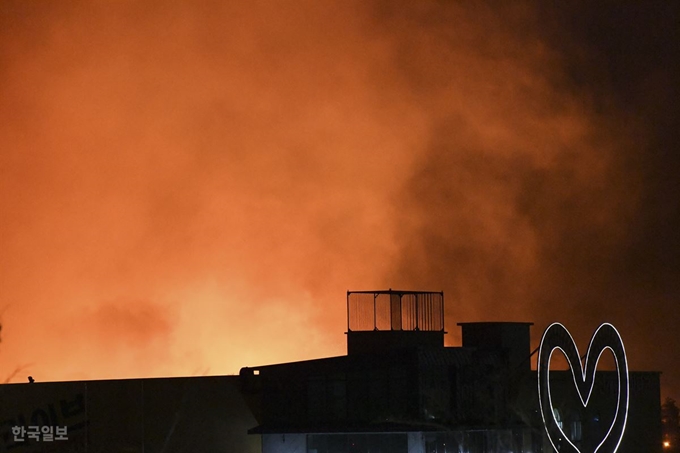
<point x="192" y="185"/>
<point x="573" y="215"/>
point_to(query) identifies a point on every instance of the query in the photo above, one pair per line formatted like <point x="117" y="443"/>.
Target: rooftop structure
<point x="381" y="321"/>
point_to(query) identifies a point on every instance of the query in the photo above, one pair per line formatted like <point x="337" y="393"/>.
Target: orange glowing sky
<point x="191" y="187"/>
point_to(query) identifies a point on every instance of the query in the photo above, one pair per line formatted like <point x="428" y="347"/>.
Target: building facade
<point x="400" y="390"/>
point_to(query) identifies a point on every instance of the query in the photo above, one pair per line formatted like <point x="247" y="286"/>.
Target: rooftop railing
<point x="395" y="310"/>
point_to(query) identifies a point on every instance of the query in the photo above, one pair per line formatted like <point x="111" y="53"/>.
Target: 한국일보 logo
<point x="557" y="337"/>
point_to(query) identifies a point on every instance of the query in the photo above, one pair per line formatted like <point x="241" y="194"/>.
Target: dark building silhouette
<point x="398" y="390"/>
<point x="192" y="414"/>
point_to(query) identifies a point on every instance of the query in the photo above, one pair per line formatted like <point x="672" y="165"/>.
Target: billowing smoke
<point x="191" y="187"/>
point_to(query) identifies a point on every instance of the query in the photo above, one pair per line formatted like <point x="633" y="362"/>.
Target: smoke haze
<point x="192" y="187"/>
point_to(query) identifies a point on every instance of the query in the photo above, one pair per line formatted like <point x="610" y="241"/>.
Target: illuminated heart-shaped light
<point x="556" y="336"/>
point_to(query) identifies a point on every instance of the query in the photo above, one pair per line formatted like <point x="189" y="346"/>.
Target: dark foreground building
<point x="194" y="414"/>
<point x="398" y="390"/>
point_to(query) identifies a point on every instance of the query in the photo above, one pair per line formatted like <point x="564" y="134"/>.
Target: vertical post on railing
<point x="375" y="316"/>
<point x="417" y="320"/>
<point x="441" y="311"/>
<point x="348" y="329"/>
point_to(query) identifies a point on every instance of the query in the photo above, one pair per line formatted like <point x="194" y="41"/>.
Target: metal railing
<point x="395" y="310"/>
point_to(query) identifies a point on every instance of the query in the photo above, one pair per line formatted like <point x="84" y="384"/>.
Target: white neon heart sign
<point x="556" y="336"/>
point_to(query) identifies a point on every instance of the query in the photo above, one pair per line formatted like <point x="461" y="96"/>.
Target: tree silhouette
<point x="670" y="422"/>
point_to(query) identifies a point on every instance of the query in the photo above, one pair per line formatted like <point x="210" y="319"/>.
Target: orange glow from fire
<point x="191" y="188"/>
